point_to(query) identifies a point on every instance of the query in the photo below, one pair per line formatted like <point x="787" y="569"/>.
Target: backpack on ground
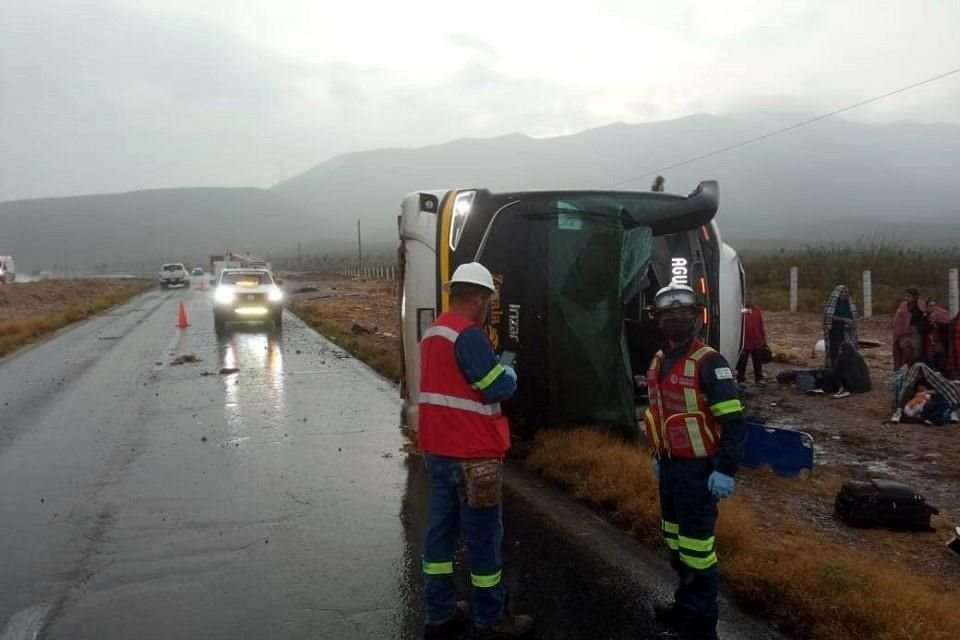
<point x="883" y="503"/>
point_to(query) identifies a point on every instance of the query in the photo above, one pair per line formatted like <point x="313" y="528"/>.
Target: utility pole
<point x="359" y="247"/>
<point x="299" y="257"/>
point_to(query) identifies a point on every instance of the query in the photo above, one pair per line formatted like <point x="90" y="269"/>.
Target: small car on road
<point x="247" y="295"/>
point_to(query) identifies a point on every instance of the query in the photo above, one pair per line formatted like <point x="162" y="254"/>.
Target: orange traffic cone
<point x="182" y="318"/>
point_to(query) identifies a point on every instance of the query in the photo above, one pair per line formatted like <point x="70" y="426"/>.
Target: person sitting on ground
<point x="935" y="343"/>
<point x="840" y="318"/>
<point x="915" y="405"/>
<point x="850" y="372"/>
<point x="907" y="322"/>
<point x="754" y="341"/>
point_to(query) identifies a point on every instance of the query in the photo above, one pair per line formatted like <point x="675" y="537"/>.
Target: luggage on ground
<point x="883" y="503"/>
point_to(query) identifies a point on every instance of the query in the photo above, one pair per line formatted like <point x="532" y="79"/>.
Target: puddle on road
<point x="254" y="397"/>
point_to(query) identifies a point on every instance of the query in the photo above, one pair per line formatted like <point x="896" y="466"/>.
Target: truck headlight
<point x="224" y="295"/>
<point x="275" y="295"/>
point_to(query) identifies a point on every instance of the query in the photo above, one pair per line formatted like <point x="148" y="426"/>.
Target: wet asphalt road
<point x="144" y="500"/>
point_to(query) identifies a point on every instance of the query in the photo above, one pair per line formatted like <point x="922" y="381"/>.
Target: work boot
<point x="508" y="626"/>
<point x="668" y="615"/>
<point x="449" y="628"/>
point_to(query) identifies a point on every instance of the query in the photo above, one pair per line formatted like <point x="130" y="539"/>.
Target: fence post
<point x="793" y="289"/>
<point x="954" y="293"/>
<point x="867" y="294"/>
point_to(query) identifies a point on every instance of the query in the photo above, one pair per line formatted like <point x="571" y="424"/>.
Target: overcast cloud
<point x="100" y="96"/>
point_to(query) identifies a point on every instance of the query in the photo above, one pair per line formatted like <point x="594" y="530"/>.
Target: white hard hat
<point x="471" y="273"/>
<point x="676" y="295"/>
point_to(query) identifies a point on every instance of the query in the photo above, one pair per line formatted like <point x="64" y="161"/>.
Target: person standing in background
<point x="907" y="322"/>
<point x="937" y="337"/>
<point x="840" y="319"/>
<point x="754" y="341"/>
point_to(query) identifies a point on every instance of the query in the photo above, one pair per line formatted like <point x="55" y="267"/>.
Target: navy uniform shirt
<point x="480" y="366"/>
<point x="716" y="382"/>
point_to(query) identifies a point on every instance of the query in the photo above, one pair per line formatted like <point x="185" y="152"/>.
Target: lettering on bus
<point x="679" y="271"/>
<point x="496" y="313"/>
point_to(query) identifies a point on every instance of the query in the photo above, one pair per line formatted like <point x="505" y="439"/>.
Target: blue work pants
<point x="482" y="530"/>
<point x="689" y="515"/>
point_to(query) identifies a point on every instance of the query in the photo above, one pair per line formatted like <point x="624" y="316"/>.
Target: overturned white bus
<point x="575" y="273"/>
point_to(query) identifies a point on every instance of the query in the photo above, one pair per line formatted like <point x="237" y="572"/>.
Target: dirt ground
<point x="22" y="299"/>
<point x="852" y="438"/>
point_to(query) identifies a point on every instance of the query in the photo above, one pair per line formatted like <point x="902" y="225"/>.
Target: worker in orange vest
<point x="695" y="431"/>
<point x="464" y="437"/>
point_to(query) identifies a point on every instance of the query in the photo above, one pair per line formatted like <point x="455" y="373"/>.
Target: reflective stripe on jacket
<point x="679" y="422"/>
<point x="454" y="421"/>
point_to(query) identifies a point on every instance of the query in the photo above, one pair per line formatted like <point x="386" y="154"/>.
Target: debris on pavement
<point x="229" y="370"/>
<point x="186" y="358"/>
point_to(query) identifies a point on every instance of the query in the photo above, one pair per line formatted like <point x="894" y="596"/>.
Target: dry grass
<point x="893" y="268"/>
<point x="24" y="328"/>
<point x="810" y="585"/>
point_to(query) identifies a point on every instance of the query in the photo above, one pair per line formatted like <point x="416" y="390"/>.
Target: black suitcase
<point x="883" y="503"/>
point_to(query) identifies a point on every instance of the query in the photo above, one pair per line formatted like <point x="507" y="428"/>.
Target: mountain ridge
<point x="834" y="181"/>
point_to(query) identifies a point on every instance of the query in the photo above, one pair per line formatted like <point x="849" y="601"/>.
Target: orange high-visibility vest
<point x="679" y="421"/>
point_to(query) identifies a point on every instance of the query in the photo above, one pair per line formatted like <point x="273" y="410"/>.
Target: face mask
<point x="677" y="329"/>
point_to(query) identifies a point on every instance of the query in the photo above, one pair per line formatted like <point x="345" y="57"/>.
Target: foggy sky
<point x="100" y="96"/>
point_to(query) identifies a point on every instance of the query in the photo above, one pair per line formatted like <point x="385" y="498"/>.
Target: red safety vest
<point x="454" y="420"/>
<point x="679" y="421"/>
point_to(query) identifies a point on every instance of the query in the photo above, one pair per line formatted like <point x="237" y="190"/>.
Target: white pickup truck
<point x="174" y="273"/>
<point x="7" y="271"/>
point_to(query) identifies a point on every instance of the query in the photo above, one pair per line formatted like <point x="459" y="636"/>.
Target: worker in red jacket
<point x="754" y="341"/>
<point x="464" y="437"/>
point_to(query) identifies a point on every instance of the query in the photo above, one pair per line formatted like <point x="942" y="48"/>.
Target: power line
<point x="785" y="129"/>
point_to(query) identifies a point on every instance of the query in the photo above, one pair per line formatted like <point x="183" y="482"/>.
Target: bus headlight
<point x="461" y="209"/>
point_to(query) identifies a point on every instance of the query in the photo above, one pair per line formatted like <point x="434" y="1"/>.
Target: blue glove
<point x="721" y="485"/>
<point x="510" y="372"/>
<point x="655" y="465"/>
